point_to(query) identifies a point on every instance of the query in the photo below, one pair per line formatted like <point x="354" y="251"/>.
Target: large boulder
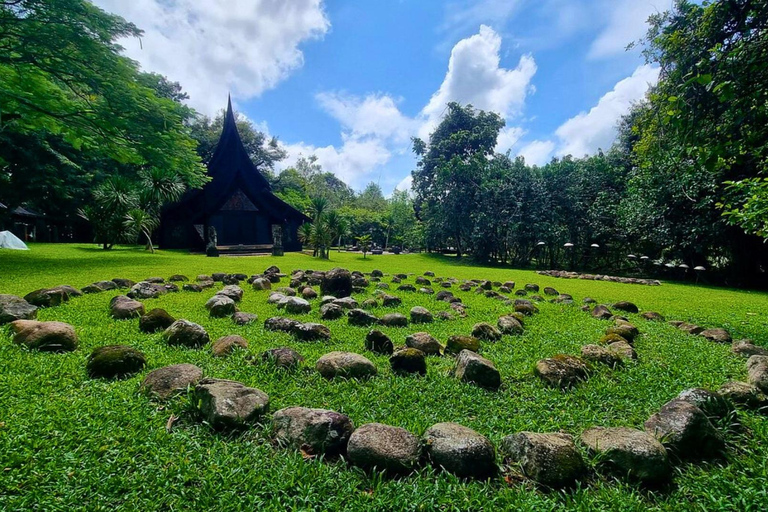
<point x="425" y="342"/>
<point x="313" y="431"/>
<point x="601" y="312"/>
<point x="475" y="369"/>
<point x="408" y="360"/>
<point x="361" y="318"/>
<point x="14" y="308"/>
<point x="550" y="459"/>
<point x="713" y="404"/>
<point x="378" y="342"/>
<point x="743" y="394"/>
<point x="227" y="404"/>
<point x="168" y="381"/>
<point x="458" y="343"/>
<point x="310" y="331"/>
<point x="232" y="291"/>
<point x="45" y="336"/>
<point x="685" y="430"/>
<point x="379" y="447"/>
<point x="629" y="452"/>
<point x="598" y="354"/>
<point x="186" y="334"/>
<point x="226" y="345"/>
<point x="155" y="320"/>
<point x="345" y="364"/>
<point x="114" y="361"/>
<point x="220" y="306"/>
<point x="460" y="450"/>
<point x="562" y="371"/>
<point x="282" y="357"/>
<point x="331" y="311"/>
<point x="485" y="331"/>
<point x="147" y="290"/>
<point x="626" y="306"/>
<point x="717" y="335"/>
<point x="123" y="308"/>
<point x="746" y="348"/>
<point x="337" y="282"/>
<point x="757" y="372"/>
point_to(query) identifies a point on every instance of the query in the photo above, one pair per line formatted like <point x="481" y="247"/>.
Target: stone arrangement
<point x="564" y="274"/>
<point x="683" y="429"/>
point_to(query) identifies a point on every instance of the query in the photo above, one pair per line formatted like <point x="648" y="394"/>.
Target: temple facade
<point x="237" y="203"/>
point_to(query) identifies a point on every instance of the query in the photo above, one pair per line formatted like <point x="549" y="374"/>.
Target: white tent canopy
<point x="10" y="241"/>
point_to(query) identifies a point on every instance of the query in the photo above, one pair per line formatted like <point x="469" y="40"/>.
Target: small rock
<point x="261" y="283"/>
<point x="50" y="297"/>
<point x="310" y="331"/>
<point x="626" y="306"/>
<point x="510" y="325"/>
<point x="361" y="317"/>
<point x="757" y="372"/>
<point x="156" y="320"/>
<point x="550" y="459"/>
<point x="379" y="447"/>
<point x="226" y="345"/>
<point x="475" y="369"/>
<point x="623" y="350"/>
<point x="562" y="371"/>
<point x="313" y="431"/>
<point x="601" y="312"/>
<point x="337" y="282"/>
<point x="532" y="288"/>
<point x="178" y="278"/>
<point x="598" y="354"/>
<point x="716" y="335"/>
<point x="378" y="342"/>
<point x="282" y="357"/>
<point x="147" y="290"/>
<point x="408" y="360"/>
<point x="241" y="318"/>
<point x="746" y="348"/>
<point x="191" y="287"/>
<point x="742" y="393"/>
<point x="629" y="452"/>
<point x="685" y="430"/>
<point x="168" y="381"/>
<point x="99" y="286"/>
<point x="424" y="342"/>
<point x="296" y="305"/>
<point x="309" y="293"/>
<point x="123" y="283"/>
<point x="113" y="361"/>
<point x="690" y="328"/>
<point x="232" y="291"/>
<point x="394" y="320"/>
<point x="653" y="316"/>
<point x="14" y="308"/>
<point x="550" y="291"/>
<point x="485" y="331"/>
<point x="443" y="295"/>
<point x="420" y="315"/>
<point x="625" y="330"/>
<point x="45" y="336"/>
<point x="220" y="306"/>
<point x="279" y="323"/>
<point x="345" y="364"/>
<point x="123" y="308"/>
<point x="390" y="300"/>
<point x="228" y="404"/>
<point x="346" y="302"/>
<point x="331" y="311"/>
<point x="287" y="291"/>
<point x="458" y="343"/>
<point x="460" y="450"/>
<point x="186" y="334"/>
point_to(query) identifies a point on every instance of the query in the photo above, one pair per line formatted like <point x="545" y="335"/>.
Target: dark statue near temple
<point x="211" y="250"/>
<point x="237" y="203"/>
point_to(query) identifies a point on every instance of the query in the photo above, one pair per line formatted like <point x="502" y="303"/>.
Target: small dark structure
<point x="238" y="203"/>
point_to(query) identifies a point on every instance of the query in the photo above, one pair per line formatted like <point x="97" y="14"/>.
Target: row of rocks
<point x="562" y="274"/>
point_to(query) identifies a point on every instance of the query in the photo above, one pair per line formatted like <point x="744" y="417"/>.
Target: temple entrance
<point x="241" y="228"/>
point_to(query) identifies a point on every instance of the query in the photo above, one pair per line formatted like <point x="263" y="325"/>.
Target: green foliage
<point x="364" y="242"/>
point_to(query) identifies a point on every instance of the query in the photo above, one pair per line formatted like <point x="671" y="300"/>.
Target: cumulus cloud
<point x="625" y="24"/>
<point x="509" y="136"/>
<point x="406" y="183"/>
<point x="375" y="115"/>
<point x="246" y="46"/>
<point x="538" y="152"/>
<point x="588" y="131"/>
<point x="475" y="77"/>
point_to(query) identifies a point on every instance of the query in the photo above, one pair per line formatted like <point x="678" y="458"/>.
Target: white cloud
<point x="375" y="115"/>
<point x="626" y="23"/>
<point x="210" y="47"/>
<point x="508" y="138"/>
<point x="468" y="14"/>
<point x="475" y="77"/>
<point x="538" y="152"/>
<point x="588" y="131"/>
<point x="406" y="183"/>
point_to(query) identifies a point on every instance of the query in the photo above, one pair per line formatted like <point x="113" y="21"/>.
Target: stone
<point x="460" y="450"/>
<point x="287" y="291"/>
<point x="382" y="286"/>
<point x="458" y="343"/>
<point x="525" y="307"/>
<point x="220" y="306"/>
<point x="361" y="317"/>
<point x="421" y="315"/>
<point x="379" y="447"/>
<point x="378" y="342"/>
<point x="377" y="273"/>
<point x="297" y="305"/>
<point x="123" y="308"/>
<point x="684" y="429"/>
<point x="716" y="335"/>
<point x="226" y="345"/>
<point x="562" y="371"/>
<point x="623" y="350"/>
<point x="444" y="315"/>
<point x="563" y="298"/>
<point x="406" y="288"/>
<point x="443" y="294"/>
<point x="346" y="302"/>
<point x="49" y="297"/>
<point x="424" y="342"/>
<point x="147" y="290"/>
<point x="337" y="282"/>
<point x="282" y="357"/>
<point x="390" y="300"/>
<point x="186" y="334"/>
<point x="690" y="328"/>
<point x="744" y="394"/>
<point x="757" y="372"/>
<point x="626" y="306"/>
<point x="598" y="354"/>
<point x="713" y="404"/>
<point x="746" y="348"/>
<point x="241" y="318"/>
<point x="601" y="312"/>
<point x="510" y="325"/>
<point x="394" y="320"/>
<point x="272" y="269"/>
<point x="532" y="288"/>
<point x="408" y="360"/>
<point x="171" y="287"/>
<point x="123" y="283"/>
<point x="346" y="365"/>
<point x="313" y="431"/>
<point x="45" y="336"/>
<point x="423" y="281"/>
<point x="331" y="311"/>
<point x="154" y="280"/>
<point x="232" y="291"/>
<point x="155" y="320"/>
<point x="279" y="323"/>
<point x="227" y="404"/>
<point x="370" y="304"/>
<point x="311" y="331"/>
<point x="549" y="459"/>
<point x="192" y="287"/>
<point x="99" y="286"/>
<point x="629" y="452"/>
<point x="276" y="298"/>
<point x="115" y="361"/>
<point x="550" y="291"/>
<point x="626" y="331"/>
<point x="309" y="293"/>
<point x="168" y="381"/>
<point x="653" y="316"/>
<point x="589" y="300"/>
<point x="178" y="278"/>
<point x="485" y="331"/>
<point x="261" y="283"/>
<point x="475" y="369"/>
<point x="14" y="308"/>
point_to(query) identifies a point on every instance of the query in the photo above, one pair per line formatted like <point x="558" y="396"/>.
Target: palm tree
<point x="158" y="187"/>
<point x="305" y="233"/>
<point x="365" y="244"/>
<point x="138" y="222"/>
<point x="317" y="207"/>
<point x="343" y="229"/>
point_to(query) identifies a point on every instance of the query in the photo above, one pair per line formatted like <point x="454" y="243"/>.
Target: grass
<point x="68" y="442"/>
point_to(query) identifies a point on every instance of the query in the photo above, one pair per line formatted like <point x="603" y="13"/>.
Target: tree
<point x="364" y="242"/>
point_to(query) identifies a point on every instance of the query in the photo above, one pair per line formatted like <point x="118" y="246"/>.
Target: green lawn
<point x="68" y="442"/>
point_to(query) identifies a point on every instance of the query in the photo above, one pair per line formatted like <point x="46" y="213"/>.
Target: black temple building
<point x="238" y="202"/>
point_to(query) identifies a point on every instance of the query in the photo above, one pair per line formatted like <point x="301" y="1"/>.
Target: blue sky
<point x="352" y="81"/>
